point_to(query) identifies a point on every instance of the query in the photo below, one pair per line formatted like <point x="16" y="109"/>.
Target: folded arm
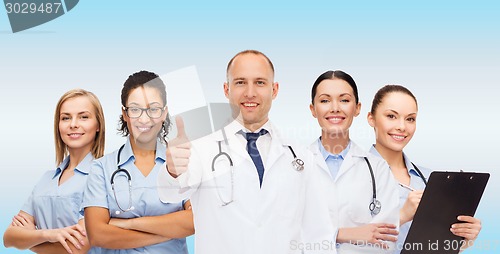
<point x="22" y="234"/>
<point x="172" y="225"/>
<point x="49" y="248"/>
<point x="105" y="235"/>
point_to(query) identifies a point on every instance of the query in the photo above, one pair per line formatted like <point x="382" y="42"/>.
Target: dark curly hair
<point x="144" y="79"/>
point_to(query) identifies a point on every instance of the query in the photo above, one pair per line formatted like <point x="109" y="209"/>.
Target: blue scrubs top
<point x="58" y="206"/>
<point x="416" y="183"/>
<point x="145" y="199"/>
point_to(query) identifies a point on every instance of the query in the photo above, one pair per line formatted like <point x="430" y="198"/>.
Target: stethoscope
<point x="419" y="173"/>
<point x="297" y="163"/>
<point x="375" y="205"/>
<point x="130" y="207"/>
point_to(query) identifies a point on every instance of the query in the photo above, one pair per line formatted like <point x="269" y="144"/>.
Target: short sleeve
<point x="28" y="205"/>
<point x="95" y="193"/>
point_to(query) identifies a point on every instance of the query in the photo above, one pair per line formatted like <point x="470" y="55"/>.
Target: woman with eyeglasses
<point x="49" y="221"/>
<point x="122" y="209"/>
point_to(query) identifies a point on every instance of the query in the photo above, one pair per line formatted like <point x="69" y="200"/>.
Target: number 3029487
<point x="32" y="8"/>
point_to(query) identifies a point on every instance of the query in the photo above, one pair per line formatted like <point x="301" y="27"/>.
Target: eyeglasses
<point x="135" y="112"/>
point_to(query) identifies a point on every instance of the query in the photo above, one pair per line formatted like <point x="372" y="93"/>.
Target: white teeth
<point x="143" y="129"/>
<point x="334" y="119"/>
<point x="250" y="104"/>
<point x="397" y="137"/>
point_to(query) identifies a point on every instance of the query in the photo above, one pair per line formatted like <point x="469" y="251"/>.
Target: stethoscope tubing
<point x="297" y="163"/>
<point x="129" y="178"/>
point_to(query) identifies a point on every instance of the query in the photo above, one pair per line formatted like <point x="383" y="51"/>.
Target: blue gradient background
<point x="446" y="52"/>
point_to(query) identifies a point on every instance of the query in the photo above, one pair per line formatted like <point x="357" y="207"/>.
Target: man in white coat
<point x="249" y="197"/>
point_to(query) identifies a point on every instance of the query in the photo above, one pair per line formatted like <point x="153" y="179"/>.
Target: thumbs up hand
<point x="178" y="151"/>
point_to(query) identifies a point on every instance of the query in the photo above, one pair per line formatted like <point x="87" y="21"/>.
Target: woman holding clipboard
<point x="393" y="116"/>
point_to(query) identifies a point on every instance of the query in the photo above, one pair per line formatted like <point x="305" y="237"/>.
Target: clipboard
<point x="446" y="196"/>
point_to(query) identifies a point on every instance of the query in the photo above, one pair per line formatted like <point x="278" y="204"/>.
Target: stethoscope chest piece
<point x="375" y="207"/>
<point x="298" y="164"/>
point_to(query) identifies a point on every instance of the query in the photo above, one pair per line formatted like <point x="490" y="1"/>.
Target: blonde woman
<point x="49" y="221"/>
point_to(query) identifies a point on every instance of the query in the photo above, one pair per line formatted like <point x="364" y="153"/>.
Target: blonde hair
<point x="98" y="146"/>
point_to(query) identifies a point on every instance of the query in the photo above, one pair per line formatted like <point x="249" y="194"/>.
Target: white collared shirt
<point x="263" y="142"/>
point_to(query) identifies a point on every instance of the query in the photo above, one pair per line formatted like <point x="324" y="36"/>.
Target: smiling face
<point x="144" y="129"/>
<point x="394" y="121"/>
<point x="335" y="107"/>
<point x="251" y="89"/>
<point x="78" y="124"/>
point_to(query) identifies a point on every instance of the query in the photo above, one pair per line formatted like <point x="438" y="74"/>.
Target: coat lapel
<point x="318" y="158"/>
<point x="354" y="154"/>
<point x="233" y="147"/>
<point x="275" y="152"/>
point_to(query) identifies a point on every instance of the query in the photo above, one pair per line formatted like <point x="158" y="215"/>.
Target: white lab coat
<point x="351" y="193"/>
<point x="286" y="215"/>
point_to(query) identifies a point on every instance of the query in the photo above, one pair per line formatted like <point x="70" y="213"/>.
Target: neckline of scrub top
<point x="127" y="153"/>
<point x="407" y="161"/>
<point x="410" y="167"/>
<point x="83" y="167"/>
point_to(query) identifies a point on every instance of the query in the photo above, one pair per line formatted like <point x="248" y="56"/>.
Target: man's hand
<point x="178" y="151"/>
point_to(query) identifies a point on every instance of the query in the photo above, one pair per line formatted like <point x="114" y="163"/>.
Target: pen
<point x="406" y="187"/>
